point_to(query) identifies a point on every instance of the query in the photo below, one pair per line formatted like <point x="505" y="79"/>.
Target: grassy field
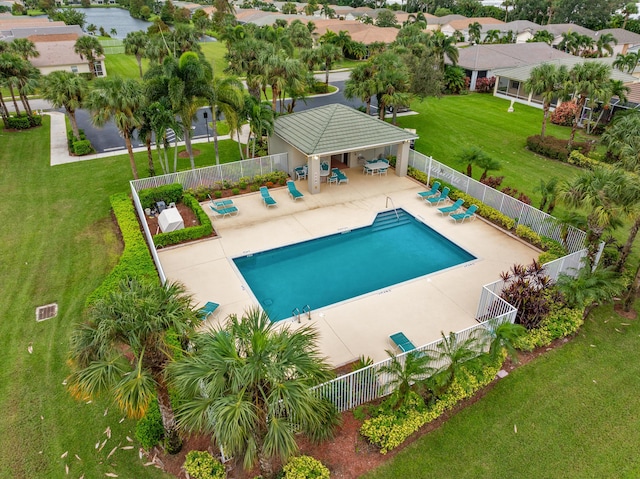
<point x="214" y="53"/>
<point x="125" y="66"/>
<point x="57" y="244"/>
<point x="449" y="124"/>
<point x="569" y="414"/>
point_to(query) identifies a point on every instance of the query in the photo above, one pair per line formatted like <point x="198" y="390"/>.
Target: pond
<point x="117" y="18"/>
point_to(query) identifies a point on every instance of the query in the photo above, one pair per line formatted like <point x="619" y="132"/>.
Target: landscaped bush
<point x="82" y="147"/>
<point x="35" y="120"/>
<point x="149" y="429"/>
<point x="559" y="323"/>
<point x="203" y="192"/>
<point x="189" y="233"/>
<point x="564" y="114"/>
<point x="135" y="261"/>
<point x="555" y="148"/>
<point x="167" y="193"/>
<point x="202" y="465"/>
<point x="529" y="235"/>
<point x="305" y="467"/>
<point x="583" y="161"/>
<point x="485" y="211"/>
<point x="485" y="85"/>
<point x="390" y="429"/>
<point x="19" y="122"/>
<point x="553" y="250"/>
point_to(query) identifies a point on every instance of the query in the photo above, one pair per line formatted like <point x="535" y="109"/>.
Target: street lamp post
<point x="206" y="124"/>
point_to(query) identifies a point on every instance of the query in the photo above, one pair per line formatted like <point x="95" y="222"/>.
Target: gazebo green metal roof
<point x="337" y="128"/>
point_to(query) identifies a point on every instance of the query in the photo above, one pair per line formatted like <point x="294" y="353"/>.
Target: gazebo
<point x="337" y="133"/>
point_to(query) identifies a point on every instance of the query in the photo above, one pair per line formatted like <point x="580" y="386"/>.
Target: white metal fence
<point x="524" y="214"/>
<point x="211" y="175"/>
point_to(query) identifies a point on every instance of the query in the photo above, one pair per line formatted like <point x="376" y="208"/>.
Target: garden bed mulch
<point x="348" y="455"/>
<point x="188" y="217"/>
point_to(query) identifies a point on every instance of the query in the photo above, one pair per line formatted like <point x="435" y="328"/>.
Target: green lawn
<point x="214" y="53"/>
<point x="449" y="124"/>
<point x="572" y="413"/>
<point x="125" y="66"/>
<point x="57" y="244"/>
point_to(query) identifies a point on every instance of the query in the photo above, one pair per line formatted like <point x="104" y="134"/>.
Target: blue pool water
<point x="334" y="268"/>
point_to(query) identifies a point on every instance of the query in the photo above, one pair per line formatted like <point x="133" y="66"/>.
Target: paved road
<point x="108" y="137"/>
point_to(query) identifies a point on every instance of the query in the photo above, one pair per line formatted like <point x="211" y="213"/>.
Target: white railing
<point x="569" y="265"/>
<point x="147" y="234"/>
<point x="211" y="175"/>
<point x="540" y="222"/>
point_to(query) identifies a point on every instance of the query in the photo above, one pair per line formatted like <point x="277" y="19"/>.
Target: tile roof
<point x="623" y="36"/>
<point x="507" y="55"/>
<point x="57" y="53"/>
<point x="522" y="73"/>
<point x="463" y="23"/>
<point x="336" y="128"/>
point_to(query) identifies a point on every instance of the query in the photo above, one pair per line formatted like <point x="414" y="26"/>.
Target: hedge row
<point x="24" y="122"/>
<point x="559" y="323"/>
<point x="136" y="261"/>
<point x="167" y="193"/>
<point x="555" y="148"/>
<point x="190" y="233"/>
<point x="388" y="431"/>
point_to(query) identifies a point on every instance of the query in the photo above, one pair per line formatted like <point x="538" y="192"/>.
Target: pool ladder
<point x="395" y="210"/>
<point x="305" y="310"/>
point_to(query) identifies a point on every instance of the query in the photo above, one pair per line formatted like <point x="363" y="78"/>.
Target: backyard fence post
<point x="429" y="169"/>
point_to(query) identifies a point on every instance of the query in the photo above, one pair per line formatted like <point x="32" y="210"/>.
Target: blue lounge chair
<point x="402" y="342"/>
<point x="293" y="191"/>
<point x="266" y="197"/>
<point x="444" y="196"/>
<point x="451" y="209"/>
<point x="208" y="309"/>
<point x="432" y="192"/>
<point x="223" y="210"/>
<point x="342" y="178"/>
<point x="470" y="213"/>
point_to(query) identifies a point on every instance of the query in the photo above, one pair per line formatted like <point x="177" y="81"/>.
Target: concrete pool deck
<point x="421" y="308"/>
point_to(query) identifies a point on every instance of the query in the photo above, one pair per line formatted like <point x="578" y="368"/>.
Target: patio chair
<point x="224" y="210"/>
<point x="443" y="196"/>
<point x="470" y="213"/>
<point x="293" y="191"/>
<point x="451" y="209"/>
<point x="208" y="309"/>
<point x="266" y="197"/>
<point x="402" y="342"/>
<point x="432" y="192"/>
<point x="342" y="178"/>
<point x="301" y="172"/>
<point x="332" y="178"/>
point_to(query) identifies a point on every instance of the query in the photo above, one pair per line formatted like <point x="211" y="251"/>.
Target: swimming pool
<point x="331" y="269"/>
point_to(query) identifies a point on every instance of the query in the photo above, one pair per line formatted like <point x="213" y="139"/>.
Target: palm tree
<point x="629" y="9"/>
<point x="455" y="353"/>
<point x="408" y="373"/>
<point x="362" y="84"/>
<point x="604" y="43"/>
<point x="586" y="80"/>
<point x="65" y="90"/>
<point x="122" y="348"/>
<point x="136" y="43"/>
<point x="600" y="192"/>
<point x="10" y="66"/>
<point x="622" y="139"/>
<point x="627" y="62"/>
<point x="24" y="48"/>
<point x="121" y="101"/>
<point x="492" y="36"/>
<point x="89" y="47"/>
<point x="502" y="337"/>
<point x="570" y="42"/>
<point x="443" y="46"/>
<point x="546" y="80"/>
<point x="226" y="97"/>
<point x="475" y="31"/>
<point x="299" y="35"/>
<point x="542" y="36"/>
<point x="327" y="55"/>
<point x="487" y="164"/>
<point x="159" y="118"/>
<point x="590" y="286"/>
<point x="549" y="191"/>
<point x="471" y="156"/>
<point x="248" y="383"/>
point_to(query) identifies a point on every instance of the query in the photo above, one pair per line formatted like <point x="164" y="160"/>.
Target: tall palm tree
<point x="65" y="90"/>
<point x="122" y="350"/>
<point x="90" y="48"/>
<point x="10" y="67"/>
<point x="600" y="192"/>
<point x="248" y="383"/>
<point x="362" y="84"/>
<point x="261" y="121"/>
<point x="628" y="10"/>
<point x="622" y="139"/>
<point x="24" y="48"/>
<point x="136" y="43"/>
<point x="121" y="101"/>
<point x="475" y="32"/>
<point x="328" y="54"/>
<point x="603" y="43"/>
<point x="227" y="97"/>
<point x="443" y="46"/>
<point x="586" y="80"/>
<point x="547" y="81"/>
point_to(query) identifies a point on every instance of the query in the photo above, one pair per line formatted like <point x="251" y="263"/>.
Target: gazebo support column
<point x="402" y="159"/>
<point x="313" y="179"/>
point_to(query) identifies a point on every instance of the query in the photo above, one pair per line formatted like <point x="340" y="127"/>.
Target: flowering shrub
<point x="485" y="85"/>
<point x="202" y="465"/>
<point x="305" y="467"/>
<point x="560" y="322"/>
<point x="564" y="114"/>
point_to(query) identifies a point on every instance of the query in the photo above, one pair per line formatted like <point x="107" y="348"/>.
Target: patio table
<point x="376" y="166"/>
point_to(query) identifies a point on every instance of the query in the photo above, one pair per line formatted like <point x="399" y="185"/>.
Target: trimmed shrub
<point x="19" y="122"/>
<point x="305" y="467"/>
<point x="485" y="85"/>
<point x="167" y="193"/>
<point x="553" y="250"/>
<point x="583" y="161"/>
<point x="82" y="147"/>
<point x="149" y="429"/>
<point x="485" y="211"/>
<point x="190" y="233"/>
<point x="529" y="235"/>
<point x="35" y="120"/>
<point x="559" y="323"/>
<point x="202" y="465"/>
<point x="564" y="114"/>
<point x="135" y="261"/>
<point x="555" y="148"/>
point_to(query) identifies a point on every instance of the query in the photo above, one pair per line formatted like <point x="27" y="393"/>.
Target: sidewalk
<point x="60" y="153"/>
